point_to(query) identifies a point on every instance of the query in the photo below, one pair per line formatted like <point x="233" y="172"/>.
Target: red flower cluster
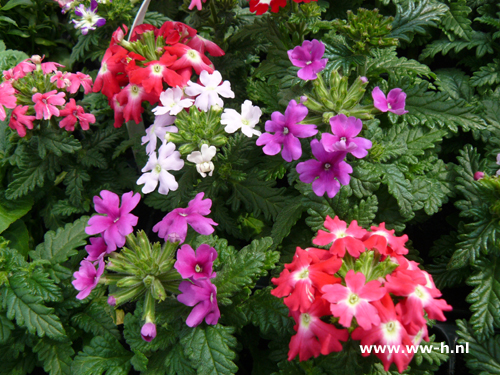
<point x="261" y="6"/>
<point x="137" y="71"/>
<point x="381" y="305"/>
<point x="34" y="97"/>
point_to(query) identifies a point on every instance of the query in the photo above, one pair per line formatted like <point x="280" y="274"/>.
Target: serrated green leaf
<point x="18" y="236"/>
<point x="139" y="361"/>
<point x="455" y="20"/>
<point x="28" y="179"/>
<point x="40" y="284"/>
<point x="55" y="356"/>
<point x="365" y="179"/>
<point x="96" y="320"/>
<point x="56" y="142"/>
<point x="399" y="187"/>
<point x="285" y="220"/>
<point x="74" y="185"/>
<point x="210" y="349"/>
<point x="386" y="61"/>
<point x="243" y="269"/>
<point x="103" y="354"/>
<point x="10" y="211"/>
<point x="479" y="40"/>
<point x="6" y="327"/>
<point x="487" y="75"/>
<point x="176" y="362"/>
<point x="485" y="298"/>
<point x="455" y="83"/>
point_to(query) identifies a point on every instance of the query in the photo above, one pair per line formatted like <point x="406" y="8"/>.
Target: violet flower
<point x="118" y="222"/>
<point x="201" y="294"/>
<point x="309" y="58"/>
<point x="196" y="265"/>
<point x="148" y="331"/>
<point x="173" y="227"/>
<point x="395" y="101"/>
<point x="287" y="131"/>
<point x="345" y="129"/>
<point x="87" y="277"/>
<point x="330" y="169"/>
<point x="89" y="18"/>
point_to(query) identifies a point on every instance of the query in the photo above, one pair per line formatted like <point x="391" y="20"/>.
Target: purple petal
<point x="108" y="204"/>
<point x="98" y="224"/>
<point x="93" y="6"/>
<point x="198" y="313"/>
<point x="129" y="202"/>
<point x="200" y="205"/>
<point x="295" y="113"/>
<point x="309" y="170"/>
<point x="100" y="22"/>
<point x="379" y="100"/>
<point x="303" y="131"/>
<point x="200" y="224"/>
<point x="363" y="145"/>
<point x="292" y="150"/>
<point x="317" y="50"/>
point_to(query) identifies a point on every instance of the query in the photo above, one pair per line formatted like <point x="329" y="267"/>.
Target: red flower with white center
<point x="300" y="281"/>
<point x="313" y="335"/>
<point x="74" y="113"/>
<point x="107" y="79"/>
<point x="385" y="241"/>
<point x="79" y="79"/>
<point x="18" y="120"/>
<point x="45" y="104"/>
<point x="189" y="57"/>
<point x="131" y="98"/>
<point x="201" y="44"/>
<point x="61" y="79"/>
<point x="350" y="239"/>
<point x="389" y="332"/>
<point x="7" y="98"/>
<point x="261" y="6"/>
<point x="152" y="76"/>
<point x="118" y="110"/>
<point x="317" y="254"/>
<point x="175" y="32"/>
<point x="353" y="300"/>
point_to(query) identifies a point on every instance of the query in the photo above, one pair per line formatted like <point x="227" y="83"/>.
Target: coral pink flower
<point x="173" y="227"/>
<point x="189" y="57"/>
<point x="18" y="118"/>
<point x="74" y="113"/>
<point x="87" y="277"/>
<point x="395" y="101"/>
<point x="45" y="104"/>
<point x="201" y="44"/>
<point x="201" y="294"/>
<point x="118" y="222"/>
<point x="385" y="241"/>
<point x="131" y="98"/>
<point x="61" y="79"/>
<point x="389" y="332"/>
<point x="353" y="300"/>
<point x="196" y="3"/>
<point x="196" y="265"/>
<point x="300" y="281"/>
<point x="50" y="67"/>
<point x="313" y="335"/>
<point x="79" y="79"/>
<point x="342" y="239"/>
<point x="7" y="98"/>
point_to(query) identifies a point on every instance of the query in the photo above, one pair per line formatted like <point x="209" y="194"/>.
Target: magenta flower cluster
<point x="309" y="58"/>
<point x="198" y="290"/>
<point x="113" y="226"/>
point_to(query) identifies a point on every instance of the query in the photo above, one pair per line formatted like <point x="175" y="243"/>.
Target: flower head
<point x="208" y="94"/>
<point x="173" y="227"/>
<point x="202" y="159"/>
<point x="87" y="277"/>
<point x="309" y="58"/>
<point x="172" y="102"/>
<point x="118" y="222"/>
<point x="249" y="117"/>
<point x="196" y="265"/>
<point x="19" y="120"/>
<point x="287" y="132"/>
<point x="96" y="249"/>
<point x="261" y="6"/>
<point x="45" y="104"/>
<point x="345" y="129"/>
<point x="89" y="20"/>
<point x="395" y="101"/>
<point x="201" y="294"/>
<point x="74" y="113"/>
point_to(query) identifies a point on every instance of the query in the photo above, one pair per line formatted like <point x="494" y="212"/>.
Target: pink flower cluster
<point x="43" y="103"/>
<point x="387" y="310"/>
<point x="128" y="78"/>
<point x="116" y="223"/>
<point x="198" y="290"/>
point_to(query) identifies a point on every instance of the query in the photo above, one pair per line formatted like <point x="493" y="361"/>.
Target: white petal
<point x="167" y="182"/>
<point x="225" y="90"/>
<point x="194" y="89"/>
<point x="150" y="180"/>
<point x="208" y="152"/>
<point x="213" y="79"/>
<point x="202" y="101"/>
<point x="165" y="151"/>
<point x="195" y="157"/>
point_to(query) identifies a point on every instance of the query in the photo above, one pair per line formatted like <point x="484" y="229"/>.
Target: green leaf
<point x="60" y="245"/>
<point x="14" y="3"/>
<point x="269" y="313"/>
<point x="39" y="284"/>
<point x="18" y="237"/>
<point x="435" y="357"/>
<point x="456" y="21"/>
<point x="176" y="362"/>
<point x="244" y="269"/>
<point x="339" y="55"/>
<point x="487" y="75"/>
<point x="210" y="349"/>
<point x="485" y="298"/>
<point x="85" y="43"/>
<point x="10" y="211"/>
<point x="6" y="326"/>
<point x="74" y="182"/>
<point x="96" y="320"/>
<point x="415" y="17"/>
<point x="455" y="83"/>
<point x="10" y="58"/>
<point x="285" y="220"/>
<point x="479" y="40"/>
<point x="29" y="311"/>
<point x="437" y="109"/>
<point x="103" y="354"/>
<point x="28" y="178"/>
<point x="483" y="356"/>
<point x="56" y="142"/>
<point x="365" y="179"/>
<point x="399" y="187"/>
<point x="55" y="356"/>
<point x="386" y="61"/>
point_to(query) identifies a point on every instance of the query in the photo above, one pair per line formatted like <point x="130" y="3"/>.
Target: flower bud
<point x="36" y="59"/>
<point x="478" y="175"/>
<point x="148" y="331"/>
<point x="111" y="300"/>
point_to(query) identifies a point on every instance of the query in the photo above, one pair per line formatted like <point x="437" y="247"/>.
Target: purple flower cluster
<point x="330" y="170"/>
<point x="309" y="58"/>
<point x="198" y="290"/>
<point x="113" y="227"/>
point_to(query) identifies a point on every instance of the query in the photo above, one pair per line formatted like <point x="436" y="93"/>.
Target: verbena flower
<point x="89" y="20"/>
<point x="168" y="160"/>
<point x="97" y="248"/>
<point x="173" y="227"/>
<point x="19" y="120"/>
<point x="45" y="104"/>
<point x="196" y="265"/>
<point x="158" y="130"/>
<point x="261" y="6"/>
<point x="172" y="102"/>
<point x="245" y="121"/>
<point x="208" y="94"/>
<point x="202" y="159"/>
<point x="87" y="277"/>
<point x="72" y="114"/>
<point x="309" y="58"/>
<point x="201" y="294"/>
<point x="326" y="173"/>
<point x="148" y="331"/>
<point x="286" y="130"/>
<point x="117" y="221"/>
<point x="345" y="129"/>
<point x="395" y="101"/>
